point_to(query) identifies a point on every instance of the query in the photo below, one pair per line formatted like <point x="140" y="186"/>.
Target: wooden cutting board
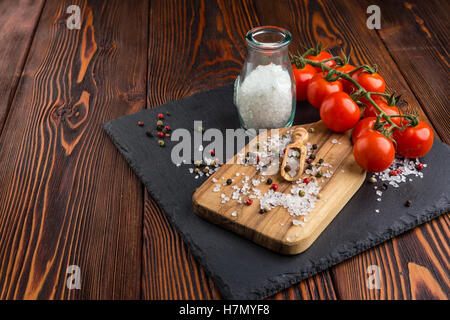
<point x="275" y="229"/>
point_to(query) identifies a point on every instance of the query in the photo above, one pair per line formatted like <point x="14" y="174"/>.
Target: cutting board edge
<point x="282" y="247"/>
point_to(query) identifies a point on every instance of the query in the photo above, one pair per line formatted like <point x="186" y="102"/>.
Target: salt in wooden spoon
<point x="299" y="138"/>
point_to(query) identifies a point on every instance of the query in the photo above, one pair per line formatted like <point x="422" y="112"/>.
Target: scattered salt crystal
<point x="378" y="199"/>
<point x="234" y="213"/>
<point x="334" y="141"/>
<point x="191" y="170"/>
<point x="379" y="193"/>
<point x="288" y="239"/>
<point x="377" y="210"/>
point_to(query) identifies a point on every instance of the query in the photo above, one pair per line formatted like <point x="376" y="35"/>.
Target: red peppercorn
<point x="212" y="152"/>
<point x="160" y="134"/>
<point x="160" y="116"/>
<point x="419" y="166"/>
<point x="249" y="202"/>
<point x="393" y="172"/>
<point x="167" y="128"/>
<point x="306" y="180"/>
<point x="274" y="187"/>
<point x="140" y="123"/>
<point x="257" y="159"/>
<point x="399" y="171"/>
<point x="284" y="150"/>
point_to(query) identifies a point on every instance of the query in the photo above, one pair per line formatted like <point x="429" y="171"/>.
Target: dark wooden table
<point x="67" y="197"/>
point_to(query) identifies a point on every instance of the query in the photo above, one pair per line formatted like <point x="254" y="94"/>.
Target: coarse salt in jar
<point x="264" y="92"/>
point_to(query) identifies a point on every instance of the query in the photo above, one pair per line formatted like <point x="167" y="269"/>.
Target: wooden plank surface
<point x="18" y="20"/>
<point x="418" y="41"/>
<point x="71" y="199"/>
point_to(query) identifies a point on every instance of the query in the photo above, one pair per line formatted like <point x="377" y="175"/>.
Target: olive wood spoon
<point x="299" y="138"/>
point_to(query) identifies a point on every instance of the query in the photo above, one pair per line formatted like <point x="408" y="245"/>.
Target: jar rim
<point x="285" y="39"/>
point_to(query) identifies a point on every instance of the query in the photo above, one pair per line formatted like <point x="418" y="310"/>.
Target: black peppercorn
<point x="408" y="203"/>
<point x="312" y="157"/>
<point x="269" y="181"/>
<point x="229" y="181"/>
<point x="149" y="133"/>
<point x="314" y="146"/>
<point x="320" y="160"/>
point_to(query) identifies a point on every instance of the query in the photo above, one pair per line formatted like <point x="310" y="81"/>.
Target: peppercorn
<point x="274" y="187"/>
<point x="287" y="168"/>
<point x="257" y="146"/>
<point x="197" y="163"/>
<point x="161" y="143"/>
<point x="167" y="113"/>
<point x="149" y="133"/>
<point x="312" y="157"/>
<point x="212" y="152"/>
<point x="167" y="135"/>
<point x="314" y="146"/>
<point x="269" y="181"/>
<point x="160" y="116"/>
<point x="159" y="128"/>
<point x="319" y="174"/>
<point x="167" y="128"/>
<point x="320" y="160"/>
<point x="261" y="211"/>
<point x="372" y="180"/>
<point x="159" y="123"/>
<point x="408" y="203"/>
<point x="140" y="123"/>
<point x="213" y="163"/>
<point x="197" y="170"/>
<point x="160" y="134"/>
<point x="249" y="202"/>
<point x="229" y="181"/>
<point x="385" y="186"/>
<point x="206" y="169"/>
<point x="306" y="180"/>
<point x="393" y="172"/>
<point x="301" y="193"/>
<point x="318" y="196"/>
<point x="309" y="167"/>
<point x="419" y="166"/>
<point x="309" y="160"/>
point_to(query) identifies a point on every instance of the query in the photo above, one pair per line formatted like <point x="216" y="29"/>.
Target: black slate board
<point x="241" y="269"/>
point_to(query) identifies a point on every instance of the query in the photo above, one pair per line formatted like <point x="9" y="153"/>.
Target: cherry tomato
<point x="414" y="142"/>
<point x="347" y="85"/>
<point x="318" y="88"/>
<point x="363" y="127"/>
<point x="370" y="110"/>
<point x="339" y="112"/>
<point x="302" y="78"/>
<point x="323" y="55"/>
<point x="370" y="81"/>
<point x="373" y="151"/>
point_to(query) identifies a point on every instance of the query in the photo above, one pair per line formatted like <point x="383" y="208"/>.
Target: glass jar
<point x="264" y="92"/>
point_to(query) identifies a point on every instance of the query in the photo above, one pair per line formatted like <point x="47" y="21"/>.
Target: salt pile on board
<point x="264" y="98"/>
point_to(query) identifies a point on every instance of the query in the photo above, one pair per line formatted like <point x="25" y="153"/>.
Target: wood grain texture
<point x="18" y="20"/>
<point x="194" y="46"/>
<point x="416" y="33"/>
<point x="70" y="198"/>
<point x="275" y="229"/>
